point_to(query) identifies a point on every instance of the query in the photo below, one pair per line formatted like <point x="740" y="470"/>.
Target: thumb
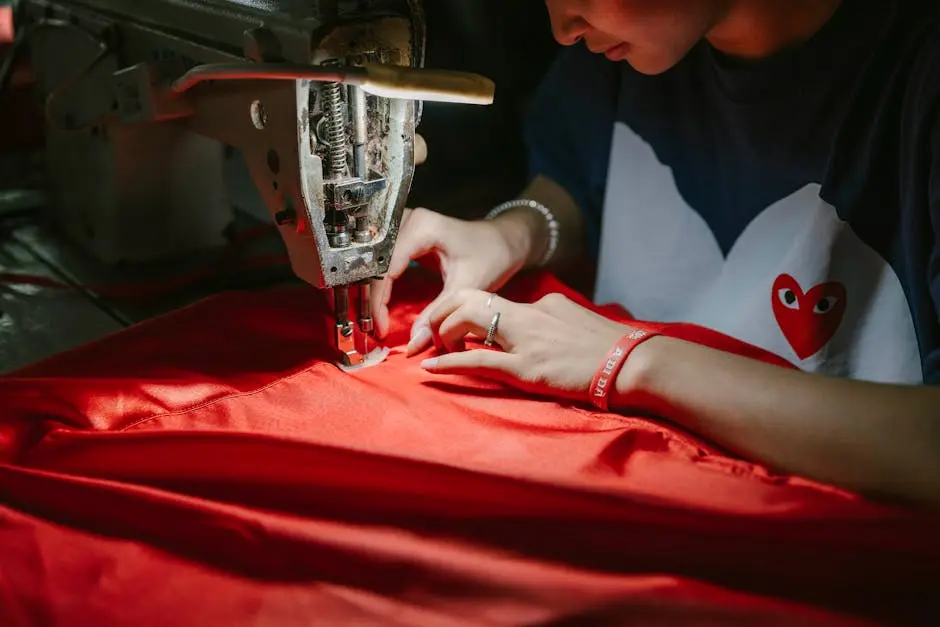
<point x="421" y="150"/>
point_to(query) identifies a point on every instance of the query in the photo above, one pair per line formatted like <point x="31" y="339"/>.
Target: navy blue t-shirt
<point x="791" y="202"/>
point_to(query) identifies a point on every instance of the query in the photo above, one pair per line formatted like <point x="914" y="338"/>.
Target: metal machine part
<point x="141" y="99"/>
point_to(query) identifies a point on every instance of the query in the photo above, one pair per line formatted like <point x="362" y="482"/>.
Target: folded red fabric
<point x="213" y="467"/>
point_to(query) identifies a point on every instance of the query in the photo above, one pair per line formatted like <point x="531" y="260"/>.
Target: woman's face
<point x="651" y="35"/>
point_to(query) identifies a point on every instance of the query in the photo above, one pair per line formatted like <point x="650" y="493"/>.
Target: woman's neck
<point x="753" y="29"/>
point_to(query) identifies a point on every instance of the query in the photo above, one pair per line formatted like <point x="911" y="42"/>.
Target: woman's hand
<point x="553" y="346"/>
<point x="477" y="254"/>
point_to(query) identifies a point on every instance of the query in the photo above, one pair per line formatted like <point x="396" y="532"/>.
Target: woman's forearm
<point x="878" y="439"/>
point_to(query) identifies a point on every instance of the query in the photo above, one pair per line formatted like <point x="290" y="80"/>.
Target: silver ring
<point x="491" y="330"/>
<point x="489" y="300"/>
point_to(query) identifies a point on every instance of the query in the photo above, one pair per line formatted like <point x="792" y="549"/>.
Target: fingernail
<point x="428" y="364"/>
<point x="419" y="338"/>
<point x="418" y="325"/>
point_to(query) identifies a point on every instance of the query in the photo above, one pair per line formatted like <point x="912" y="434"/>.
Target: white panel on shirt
<point x="798" y="281"/>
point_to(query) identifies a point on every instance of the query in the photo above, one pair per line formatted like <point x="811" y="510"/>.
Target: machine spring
<point x="335" y="114"/>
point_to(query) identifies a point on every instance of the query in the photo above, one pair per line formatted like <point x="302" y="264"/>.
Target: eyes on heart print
<point x="808" y="319"/>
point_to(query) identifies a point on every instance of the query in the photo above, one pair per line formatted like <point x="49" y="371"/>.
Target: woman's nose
<point x="567" y="27"/>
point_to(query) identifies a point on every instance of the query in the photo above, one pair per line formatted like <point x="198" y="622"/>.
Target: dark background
<point x="476" y="155"/>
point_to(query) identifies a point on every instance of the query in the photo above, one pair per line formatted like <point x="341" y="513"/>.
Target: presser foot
<point x="357" y="349"/>
<point x="347" y="345"/>
<point x="376" y="356"/>
<point x="354" y="341"/>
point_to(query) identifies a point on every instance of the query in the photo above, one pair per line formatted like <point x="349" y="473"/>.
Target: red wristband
<point x="606" y="376"/>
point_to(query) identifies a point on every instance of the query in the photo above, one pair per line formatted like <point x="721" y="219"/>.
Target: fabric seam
<point x="214" y="401"/>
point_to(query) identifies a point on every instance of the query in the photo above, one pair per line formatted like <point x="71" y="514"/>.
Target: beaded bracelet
<point x="540" y="208"/>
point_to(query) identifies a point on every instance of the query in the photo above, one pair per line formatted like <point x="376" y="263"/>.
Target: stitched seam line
<point x="214" y="401"/>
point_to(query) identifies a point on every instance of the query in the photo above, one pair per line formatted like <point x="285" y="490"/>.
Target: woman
<point x="766" y="168"/>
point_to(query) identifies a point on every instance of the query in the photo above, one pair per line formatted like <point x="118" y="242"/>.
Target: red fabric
<point x="211" y="467"/>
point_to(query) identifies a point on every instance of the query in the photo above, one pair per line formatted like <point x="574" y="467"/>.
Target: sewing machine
<point x="321" y="97"/>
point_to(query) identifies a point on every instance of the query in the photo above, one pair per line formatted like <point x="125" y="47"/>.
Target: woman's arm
<point x="876" y="439"/>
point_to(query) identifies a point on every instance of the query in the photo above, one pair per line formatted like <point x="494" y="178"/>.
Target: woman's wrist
<point x="635" y="387"/>
<point x="526" y="234"/>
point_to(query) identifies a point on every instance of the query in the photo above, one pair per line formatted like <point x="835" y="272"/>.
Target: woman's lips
<point x="617" y="53"/>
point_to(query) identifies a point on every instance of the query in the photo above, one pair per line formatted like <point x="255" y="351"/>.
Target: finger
<point x="421" y="336"/>
<point x="421" y="150"/>
<point x="417" y="236"/>
<point x="481" y="302"/>
<point x="481" y="363"/>
<point x="455" y="328"/>
<point x="382" y="288"/>
<point x="463" y="322"/>
<point x="381" y="293"/>
<point x="474" y="312"/>
<point x="447" y="303"/>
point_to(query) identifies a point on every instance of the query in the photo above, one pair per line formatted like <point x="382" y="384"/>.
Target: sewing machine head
<point x="320" y="98"/>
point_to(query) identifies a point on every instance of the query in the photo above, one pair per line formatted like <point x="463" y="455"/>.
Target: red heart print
<point x="808" y="320"/>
